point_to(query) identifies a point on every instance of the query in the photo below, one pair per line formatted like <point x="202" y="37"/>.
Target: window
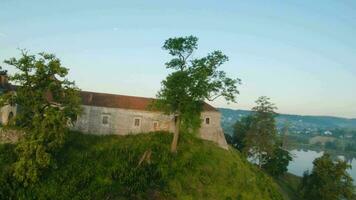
<point x="105" y="120"/>
<point x="10" y="117"/>
<point x="207" y="120"/>
<point x="155" y="126"/>
<point x="137" y="122"/>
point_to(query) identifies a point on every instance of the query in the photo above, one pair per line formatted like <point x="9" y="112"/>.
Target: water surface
<point x="303" y="160"/>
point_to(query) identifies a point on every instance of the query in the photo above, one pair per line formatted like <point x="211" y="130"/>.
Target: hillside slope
<point x="107" y="167"/>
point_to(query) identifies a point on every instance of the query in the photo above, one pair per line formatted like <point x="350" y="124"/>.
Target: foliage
<point x="255" y="135"/>
<point x="277" y="163"/>
<point x="241" y="129"/>
<point x="260" y="139"/>
<point x="193" y="80"/>
<point x="7" y="157"/>
<point x="47" y="104"/>
<point x="3" y="72"/>
<point x="106" y="167"/>
<point x="328" y="180"/>
<point x="288" y="184"/>
<point x="351" y="147"/>
<point x="332" y="145"/>
<point x="228" y="139"/>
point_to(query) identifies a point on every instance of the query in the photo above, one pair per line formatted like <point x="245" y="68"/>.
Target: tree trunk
<point x="260" y="161"/>
<point x="175" y="135"/>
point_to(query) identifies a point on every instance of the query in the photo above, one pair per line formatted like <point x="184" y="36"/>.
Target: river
<point x="303" y="160"/>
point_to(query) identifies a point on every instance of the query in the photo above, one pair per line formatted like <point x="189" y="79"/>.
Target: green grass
<point x="106" y="167"/>
<point x="288" y="185"/>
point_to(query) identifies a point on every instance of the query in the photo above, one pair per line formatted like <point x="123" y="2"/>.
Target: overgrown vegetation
<point x="277" y="163"/>
<point x="241" y="128"/>
<point x="328" y="180"/>
<point x="47" y="104"/>
<point x="106" y="167"/>
<point x="256" y="136"/>
<point x="289" y="185"/>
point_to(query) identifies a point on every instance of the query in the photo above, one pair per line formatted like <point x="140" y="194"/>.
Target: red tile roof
<point x="122" y="101"/>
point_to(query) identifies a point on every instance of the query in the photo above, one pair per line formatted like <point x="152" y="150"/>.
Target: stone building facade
<point x="8" y="111"/>
<point x="123" y="115"/>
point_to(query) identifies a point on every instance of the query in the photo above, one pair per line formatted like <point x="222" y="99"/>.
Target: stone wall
<point x="121" y="121"/>
<point x="211" y="128"/>
<point x="5" y="112"/>
<point x="103" y="120"/>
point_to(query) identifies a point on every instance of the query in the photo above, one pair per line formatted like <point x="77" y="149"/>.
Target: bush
<point x="7" y="183"/>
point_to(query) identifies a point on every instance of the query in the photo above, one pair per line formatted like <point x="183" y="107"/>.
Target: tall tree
<point x="328" y="180"/>
<point x="241" y="128"/>
<point x="48" y="103"/>
<point x="284" y="135"/>
<point x="277" y="163"/>
<point x="261" y="137"/>
<point x="192" y="81"/>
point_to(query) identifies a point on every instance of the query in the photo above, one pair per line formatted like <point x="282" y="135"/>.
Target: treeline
<point x="255" y="136"/>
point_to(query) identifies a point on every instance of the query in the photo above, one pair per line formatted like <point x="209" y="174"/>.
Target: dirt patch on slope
<point x="9" y="136"/>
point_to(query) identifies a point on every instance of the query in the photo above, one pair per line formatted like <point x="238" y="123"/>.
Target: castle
<point x="123" y="115"/>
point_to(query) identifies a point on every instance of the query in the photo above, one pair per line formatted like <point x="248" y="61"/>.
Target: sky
<point x="301" y="54"/>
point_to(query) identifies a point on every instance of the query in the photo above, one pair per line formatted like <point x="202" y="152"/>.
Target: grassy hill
<point x="106" y="167"/>
<point x="288" y="185"/>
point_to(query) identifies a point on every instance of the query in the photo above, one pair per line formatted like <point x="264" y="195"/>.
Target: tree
<point x="331" y="145"/>
<point x="192" y="81"/>
<point x="261" y="137"/>
<point x="3" y="72"/>
<point x="328" y="180"/>
<point x="277" y="163"/>
<point x="48" y="103"/>
<point x="229" y="139"/>
<point x="241" y="128"/>
<point x="284" y="135"/>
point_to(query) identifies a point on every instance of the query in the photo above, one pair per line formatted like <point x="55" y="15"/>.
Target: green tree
<point x="241" y="127"/>
<point x="228" y="139"/>
<point x="3" y="72"/>
<point x="192" y="81"/>
<point x="261" y="137"/>
<point x="284" y="135"/>
<point x="332" y="145"/>
<point x="277" y="163"/>
<point x="328" y="180"/>
<point x="48" y="103"/>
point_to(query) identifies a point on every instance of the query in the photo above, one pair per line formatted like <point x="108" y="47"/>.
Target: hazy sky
<point x="302" y="54"/>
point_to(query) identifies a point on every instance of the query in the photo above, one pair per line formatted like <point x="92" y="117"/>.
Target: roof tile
<point x="122" y="101"/>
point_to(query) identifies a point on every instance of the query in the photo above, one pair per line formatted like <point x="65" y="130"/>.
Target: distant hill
<point x="295" y="122"/>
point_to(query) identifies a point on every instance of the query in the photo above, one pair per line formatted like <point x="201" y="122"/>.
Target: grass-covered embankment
<point x="106" y="167"/>
<point x="288" y="184"/>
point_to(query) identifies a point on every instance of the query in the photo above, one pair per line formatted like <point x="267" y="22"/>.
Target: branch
<point x="188" y="55"/>
<point x="213" y="98"/>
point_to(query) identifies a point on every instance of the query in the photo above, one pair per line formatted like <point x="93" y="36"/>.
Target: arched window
<point x="10" y="117"/>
